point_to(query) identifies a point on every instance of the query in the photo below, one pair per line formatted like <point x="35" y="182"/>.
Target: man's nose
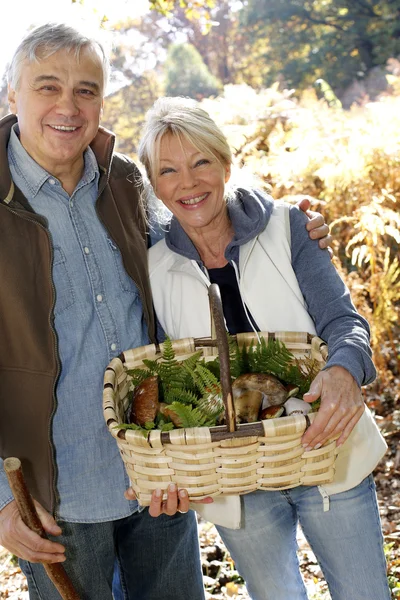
<point x="67" y="104"/>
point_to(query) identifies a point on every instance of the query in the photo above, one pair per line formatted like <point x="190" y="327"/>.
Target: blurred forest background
<point x="308" y="93"/>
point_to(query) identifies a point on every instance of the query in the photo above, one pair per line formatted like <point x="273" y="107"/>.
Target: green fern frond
<point x="152" y="366"/>
<point x="212" y="405"/>
<point x="213" y="366"/>
<point x="180" y="395"/>
<point x="272" y="357"/>
<point x="191" y="417"/>
<point x="239" y="360"/>
<point x="205" y="380"/>
<point x="166" y="426"/>
<point x="143" y="430"/>
<point x="138" y="375"/>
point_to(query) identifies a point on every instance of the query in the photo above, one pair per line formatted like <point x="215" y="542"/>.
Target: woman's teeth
<point x="194" y="200"/>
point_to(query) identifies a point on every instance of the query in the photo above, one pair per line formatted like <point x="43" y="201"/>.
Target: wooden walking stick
<point x="27" y="509"/>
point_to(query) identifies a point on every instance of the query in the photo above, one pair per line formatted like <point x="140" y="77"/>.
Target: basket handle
<point x="223" y="351"/>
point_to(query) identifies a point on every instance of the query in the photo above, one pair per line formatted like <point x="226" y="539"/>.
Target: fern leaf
<point x="190" y="417"/>
<point x="180" y="395"/>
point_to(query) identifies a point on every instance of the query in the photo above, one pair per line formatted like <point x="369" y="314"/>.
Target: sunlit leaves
<point x="194" y="9"/>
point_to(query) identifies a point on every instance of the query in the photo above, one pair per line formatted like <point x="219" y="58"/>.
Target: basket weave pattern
<point x="207" y="461"/>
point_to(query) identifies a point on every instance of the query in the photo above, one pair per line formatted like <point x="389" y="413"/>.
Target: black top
<point x="234" y="312"/>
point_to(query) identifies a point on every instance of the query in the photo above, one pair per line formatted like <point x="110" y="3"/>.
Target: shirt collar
<point x="33" y="174"/>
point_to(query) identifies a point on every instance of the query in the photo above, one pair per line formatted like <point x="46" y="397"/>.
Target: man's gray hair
<point x="42" y="42"/>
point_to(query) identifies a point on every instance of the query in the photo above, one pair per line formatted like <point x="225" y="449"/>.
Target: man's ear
<point x="12" y="101"/>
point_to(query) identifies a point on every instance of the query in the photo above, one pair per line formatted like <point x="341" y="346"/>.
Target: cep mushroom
<point x="271" y="412"/>
<point x="166" y="410"/>
<point x="145" y="404"/>
<point x="274" y="393"/>
<point x="247" y="404"/>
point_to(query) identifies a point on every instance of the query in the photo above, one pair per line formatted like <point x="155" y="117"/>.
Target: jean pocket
<point x="65" y="297"/>
<point x="126" y="283"/>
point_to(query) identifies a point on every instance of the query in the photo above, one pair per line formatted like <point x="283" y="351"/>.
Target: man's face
<point x="59" y="105"/>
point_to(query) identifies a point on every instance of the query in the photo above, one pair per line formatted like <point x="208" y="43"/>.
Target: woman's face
<point x="190" y="184"/>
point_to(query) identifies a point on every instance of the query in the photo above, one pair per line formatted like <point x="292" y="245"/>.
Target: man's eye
<point x="85" y="92"/>
<point x="48" y="88"/>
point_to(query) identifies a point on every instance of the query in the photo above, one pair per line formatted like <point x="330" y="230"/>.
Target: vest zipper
<point x="235" y="268"/>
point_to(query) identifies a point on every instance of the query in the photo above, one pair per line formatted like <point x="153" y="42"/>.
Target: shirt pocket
<point x="126" y="283"/>
<point x="65" y="296"/>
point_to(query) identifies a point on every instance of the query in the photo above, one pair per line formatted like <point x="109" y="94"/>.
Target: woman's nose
<point x="188" y="178"/>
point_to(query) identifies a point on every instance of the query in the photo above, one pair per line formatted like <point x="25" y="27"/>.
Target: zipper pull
<point x="325" y="497"/>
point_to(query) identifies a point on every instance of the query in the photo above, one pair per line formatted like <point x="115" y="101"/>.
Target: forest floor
<point x="220" y="577"/>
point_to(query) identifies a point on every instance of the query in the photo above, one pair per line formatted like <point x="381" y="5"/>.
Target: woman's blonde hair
<point x="184" y="118"/>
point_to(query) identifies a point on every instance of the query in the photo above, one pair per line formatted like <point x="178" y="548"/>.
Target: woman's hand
<point x="177" y="501"/>
<point x="341" y="407"/>
<point x="25" y="543"/>
<point x="316" y="226"/>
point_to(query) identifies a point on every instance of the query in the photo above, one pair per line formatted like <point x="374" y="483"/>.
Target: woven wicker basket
<point x="231" y="459"/>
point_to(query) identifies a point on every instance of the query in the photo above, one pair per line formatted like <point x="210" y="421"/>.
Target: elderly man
<point x="75" y="294"/>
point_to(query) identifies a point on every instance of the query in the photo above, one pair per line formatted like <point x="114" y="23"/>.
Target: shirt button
<point x="113" y="346"/>
<point x="99" y="298"/>
<point x="52" y="182"/>
<point x="86" y="249"/>
<point x="71" y="204"/>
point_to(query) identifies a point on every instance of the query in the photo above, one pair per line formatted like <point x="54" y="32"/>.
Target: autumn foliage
<point x="348" y="164"/>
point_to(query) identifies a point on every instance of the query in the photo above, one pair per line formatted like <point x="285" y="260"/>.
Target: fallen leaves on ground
<point x="223" y="582"/>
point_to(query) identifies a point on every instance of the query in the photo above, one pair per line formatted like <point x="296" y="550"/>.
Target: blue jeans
<point x="158" y="559"/>
<point x="346" y="540"/>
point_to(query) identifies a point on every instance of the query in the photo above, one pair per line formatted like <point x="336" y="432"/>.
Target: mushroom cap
<point x="145" y="404"/>
<point x="272" y="412"/>
<point x="296" y="406"/>
<point x="274" y="391"/>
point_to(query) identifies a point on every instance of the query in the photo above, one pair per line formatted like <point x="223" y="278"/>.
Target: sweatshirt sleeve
<point x="329" y="303"/>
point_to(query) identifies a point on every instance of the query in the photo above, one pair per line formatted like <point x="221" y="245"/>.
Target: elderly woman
<point x="272" y="276"/>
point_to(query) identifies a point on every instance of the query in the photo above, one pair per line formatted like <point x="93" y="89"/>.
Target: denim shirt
<point x="98" y="314"/>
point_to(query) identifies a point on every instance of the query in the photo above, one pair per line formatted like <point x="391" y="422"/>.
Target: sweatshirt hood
<point x="249" y="212"/>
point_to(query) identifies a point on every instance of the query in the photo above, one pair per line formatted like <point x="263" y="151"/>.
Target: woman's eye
<point x="166" y="170"/>
<point x="202" y="161"/>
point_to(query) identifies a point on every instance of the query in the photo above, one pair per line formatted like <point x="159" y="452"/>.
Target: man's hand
<point x="18" y="539"/>
<point x="341" y="407"/>
<point x="316" y="226"/>
<point x="177" y="501"/>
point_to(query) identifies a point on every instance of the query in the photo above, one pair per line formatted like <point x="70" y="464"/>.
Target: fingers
<point x="175" y="502"/>
<point x="350" y="426"/>
<point x="318" y="229"/>
<point x="341" y="407"/>
<point x="129" y="494"/>
<point x="48" y="522"/>
<point x="324" y="239"/>
<point x="26" y="544"/>
<point x="207" y="500"/>
<point x="304" y="204"/>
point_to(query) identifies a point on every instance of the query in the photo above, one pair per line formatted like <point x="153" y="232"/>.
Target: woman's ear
<point x="227" y="173"/>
